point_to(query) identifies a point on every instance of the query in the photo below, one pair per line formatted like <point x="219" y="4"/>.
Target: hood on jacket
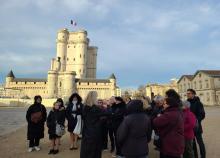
<point x="135" y="106"/>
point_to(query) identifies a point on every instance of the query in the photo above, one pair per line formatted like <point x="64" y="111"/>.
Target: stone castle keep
<point x="73" y="70"/>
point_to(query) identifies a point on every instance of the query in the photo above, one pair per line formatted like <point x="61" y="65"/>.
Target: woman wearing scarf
<point x="73" y="115"/>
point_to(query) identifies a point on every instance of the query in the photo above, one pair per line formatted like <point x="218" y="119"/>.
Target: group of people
<point x="173" y="125"/>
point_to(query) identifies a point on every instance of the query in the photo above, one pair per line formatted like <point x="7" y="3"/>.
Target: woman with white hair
<point x="91" y="146"/>
<point x="189" y="125"/>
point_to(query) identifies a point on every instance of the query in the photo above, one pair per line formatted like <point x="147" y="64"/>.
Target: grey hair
<point x="158" y="98"/>
<point x="186" y="103"/>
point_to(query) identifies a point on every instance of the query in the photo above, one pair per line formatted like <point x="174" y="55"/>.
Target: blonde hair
<point x="146" y="102"/>
<point x="91" y="98"/>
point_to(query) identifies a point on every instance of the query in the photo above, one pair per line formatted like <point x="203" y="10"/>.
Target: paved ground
<point x="14" y="145"/>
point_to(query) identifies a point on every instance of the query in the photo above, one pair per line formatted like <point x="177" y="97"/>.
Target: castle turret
<point x="91" y="62"/>
<point x="77" y="53"/>
<point x="52" y="84"/>
<point x="69" y="85"/>
<point x="62" y="40"/>
<point x="9" y="78"/>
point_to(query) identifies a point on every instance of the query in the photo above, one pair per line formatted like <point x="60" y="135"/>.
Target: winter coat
<point x="198" y="109"/>
<point x="189" y="124"/>
<point x="170" y="126"/>
<point x="118" y="113"/>
<point x="91" y="146"/>
<point x="55" y="116"/>
<point x="71" y="115"/>
<point x="134" y="133"/>
<point x="36" y="130"/>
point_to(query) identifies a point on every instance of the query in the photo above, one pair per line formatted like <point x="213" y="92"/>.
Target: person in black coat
<point x="36" y="117"/>
<point x="134" y="133"/>
<point x="198" y="109"/>
<point x="56" y="116"/>
<point x="91" y="145"/>
<point x="73" y="114"/>
<point x="118" y="113"/>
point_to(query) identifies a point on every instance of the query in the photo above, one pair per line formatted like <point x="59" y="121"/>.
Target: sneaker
<point x="37" y="148"/>
<point x="55" y="152"/>
<point x="113" y="155"/>
<point x="51" y="151"/>
<point x="30" y="149"/>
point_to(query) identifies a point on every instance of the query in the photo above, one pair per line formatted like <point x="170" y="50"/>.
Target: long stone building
<point x="72" y="70"/>
<point x="160" y="89"/>
<point x="205" y="82"/>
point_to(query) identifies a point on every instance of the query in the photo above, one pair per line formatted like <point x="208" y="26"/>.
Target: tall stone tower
<point x="62" y="40"/>
<point x="74" y="59"/>
<point x="91" y="62"/>
<point x="77" y="53"/>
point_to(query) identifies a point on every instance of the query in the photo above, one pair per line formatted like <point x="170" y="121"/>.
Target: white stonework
<point x="206" y="83"/>
<point x="160" y="89"/>
<point x="73" y="70"/>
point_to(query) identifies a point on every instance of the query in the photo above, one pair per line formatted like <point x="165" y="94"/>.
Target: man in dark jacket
<point x="118" y="113"/>
<point x="198" y="109"/>
<point x="134" y="133"/>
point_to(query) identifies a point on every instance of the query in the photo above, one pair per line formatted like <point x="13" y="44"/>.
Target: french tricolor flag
<point x="73" y="23"/>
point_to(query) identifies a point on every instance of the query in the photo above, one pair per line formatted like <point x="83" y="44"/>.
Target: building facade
<point x="160" y="89"/>
<point x="206" y="83"/>
<point x="73" y="70"/>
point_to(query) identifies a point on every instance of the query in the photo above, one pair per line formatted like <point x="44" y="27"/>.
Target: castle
<point x="73" y="70"/>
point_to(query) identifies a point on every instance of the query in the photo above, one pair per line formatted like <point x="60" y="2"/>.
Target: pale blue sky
<point x="141" y="41"/>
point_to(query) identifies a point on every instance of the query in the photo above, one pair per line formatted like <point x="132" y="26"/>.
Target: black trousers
<point x="199" y="140"/>
<point x="167" y="156"/>
<point x="34" y="142"/>
<point x="118" y="147"/>
<point x="112" y="138"/>
<point x="105" y="136"/>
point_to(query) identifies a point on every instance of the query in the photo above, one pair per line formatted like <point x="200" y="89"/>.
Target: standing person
<point x="91" y="145"/>
<point x="55" y="118"/>
<point x="110" y="124"/>
<point x="170" y="126"/>
<point x="73" y="115"/>
<point x="104" y="125"/>
<point x="118" y="113"/>
<point x="171" y="93"/>
<point x="198" y="110"/>
<point x="157" y="108"/>
<point x="61" y="103"/>
<point x="36" y="117"/>
<point x="189" y="125"/>
<point x="134" y="133"/>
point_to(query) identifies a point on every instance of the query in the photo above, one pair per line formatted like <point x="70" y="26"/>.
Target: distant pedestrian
<point x="36" y="117"/>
